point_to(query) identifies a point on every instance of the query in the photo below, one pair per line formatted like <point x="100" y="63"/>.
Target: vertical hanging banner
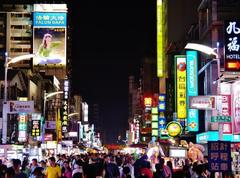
<point x="160" y="38"/>
<point x="22" y="127"/>
<point x="232" y="45"/>
<point x="65" y="106"/>
<point x="36" y="124"/>
<point x="192" y="89"/>
<point x="181" y="79"/>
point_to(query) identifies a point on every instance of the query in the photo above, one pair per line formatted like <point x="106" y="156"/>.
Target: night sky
<point x="109" y="40"/>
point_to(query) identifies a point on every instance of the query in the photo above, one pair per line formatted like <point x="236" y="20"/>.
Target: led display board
<point x="232" y="45"/>
<point x="181" y="79"/>
<point x="192" y="89"/>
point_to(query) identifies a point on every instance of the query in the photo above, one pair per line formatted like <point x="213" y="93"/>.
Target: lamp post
<point x="46" y="96"/>
<point x="9" y="60"/>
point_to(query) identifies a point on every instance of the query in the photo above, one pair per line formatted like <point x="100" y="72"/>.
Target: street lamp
<point x="46" y="96"/>
<point x="9" y="60"/>
<point x="210" y="51"/>
<point x="73" y="114"/>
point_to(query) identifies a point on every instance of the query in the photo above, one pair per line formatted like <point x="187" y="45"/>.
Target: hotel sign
<point x="232" y="45"/>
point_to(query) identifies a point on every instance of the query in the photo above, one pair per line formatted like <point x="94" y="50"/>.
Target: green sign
<point x="221" y="119"/>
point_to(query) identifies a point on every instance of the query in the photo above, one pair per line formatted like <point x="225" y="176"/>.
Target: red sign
<point x="226" y="105"/>
<point x="148" y="102"/>
<point x="227" y="128"/>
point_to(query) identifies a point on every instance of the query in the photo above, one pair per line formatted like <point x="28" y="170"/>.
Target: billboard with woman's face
<point x="49" y="46"/>
<point x="49" y="39"/>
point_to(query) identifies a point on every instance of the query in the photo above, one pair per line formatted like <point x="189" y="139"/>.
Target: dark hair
<point x="126" y="170"/>
<point x="52" y="159"/>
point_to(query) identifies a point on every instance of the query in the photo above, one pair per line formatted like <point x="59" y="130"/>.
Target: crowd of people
<point x="100" y="166"/>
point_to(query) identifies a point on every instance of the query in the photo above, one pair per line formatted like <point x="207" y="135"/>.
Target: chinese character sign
<point x="22" y="127"/>
<point x="181" y="79"/>
<point x="219" y="156"/>
<point x="232" y="45"/>
<point x="192" y="89"/>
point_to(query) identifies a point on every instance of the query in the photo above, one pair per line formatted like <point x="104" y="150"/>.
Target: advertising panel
<point x="49" y="35"/>
<point x="236" y="107"/>
<point x="219" y="156"/>
<point x="160" y="46"/>
<point x="181" y="86"/>
<point x="14" y="107"/>
<point x="161" y="115"/>
<point x="232" y="45"/>
<point x="192" y="89"/>
<point x="202" y="102"/>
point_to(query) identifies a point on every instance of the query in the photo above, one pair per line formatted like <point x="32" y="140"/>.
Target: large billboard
<point x="49" y="36"/>
<point x="192" y="89"/>
<point x="181" y="80"/>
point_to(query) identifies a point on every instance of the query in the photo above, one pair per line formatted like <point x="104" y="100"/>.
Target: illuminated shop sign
<point x="22" y="127"/>
<point x="181" y="80"/>
<point x="160" y="36"/>
<point x="214" y="136"/>
<point x="202" y="102"/>
<point x="232" y="45"/>
<point x="53" y="19"/>
<point x="192" y="89"/>
<point x="14" y="107"/>
<point x="161" y="115"/>
<point x="154" y="113"/>
<point x="174" y="129"/>
<point x="36" y="125"/>
<point x="65" y="106"/>
<point x="147" y="102"/>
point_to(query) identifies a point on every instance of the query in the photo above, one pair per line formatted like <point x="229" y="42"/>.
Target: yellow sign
<point x="174" y="129"/>
<point x="181" y="87"/>
<point x="159" y="38"/>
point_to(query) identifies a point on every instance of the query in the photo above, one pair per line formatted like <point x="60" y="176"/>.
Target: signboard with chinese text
<point x="220" y="119"/>
<point x="15" y="107"/>
<point x="161" y="114"/>
<point x="49" y="35"/>
<point x="232" y="45"/>
<point x="181" y="86"/>
<point x="22" y="127"/>
<point x="219" y="156"/>
<point x="192" y="89"/>
<point x="202" y="102"/>
<point x="36" y="125"/>
<point x="227" y="128"/>
<point x="65" y="106"/>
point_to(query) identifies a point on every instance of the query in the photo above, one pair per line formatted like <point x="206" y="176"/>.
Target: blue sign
<point x="49" y="19"/>
<point x="219" y="156"/>
<point x="214" y="136"/>
<point x="192" y="89"/>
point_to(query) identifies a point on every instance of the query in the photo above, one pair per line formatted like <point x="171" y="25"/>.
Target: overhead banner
<point x="232" y="45"/>
<point x="181" y="79"/>
<point x="15" y="107"/>
<point x="49" y="36"/>
<point x="192" y="89"/>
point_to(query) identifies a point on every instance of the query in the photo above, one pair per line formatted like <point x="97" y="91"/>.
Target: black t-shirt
<point x="11" y="173"/>
<point x="90" y="171"/>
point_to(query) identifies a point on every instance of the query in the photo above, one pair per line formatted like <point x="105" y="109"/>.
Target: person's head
<point x="169" y="164"/>
<point x="66" y="164"/>
<point x="34" y="162"/>
<point x="16" y="164"/>
<point x="126" y="170"/>
<point x="47" y="39"/>
<point x="42" y="163"/>
<point x="52" y="161"/>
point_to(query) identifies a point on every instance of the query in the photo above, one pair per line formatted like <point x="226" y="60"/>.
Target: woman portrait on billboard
<point x="45" y="49"/>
